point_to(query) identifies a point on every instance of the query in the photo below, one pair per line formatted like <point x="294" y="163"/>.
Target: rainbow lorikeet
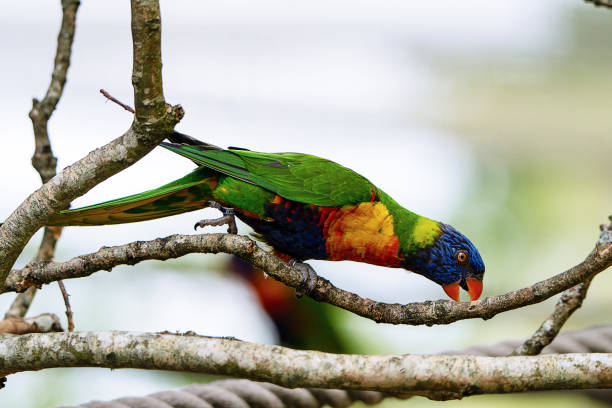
<point x="305" y="207"/>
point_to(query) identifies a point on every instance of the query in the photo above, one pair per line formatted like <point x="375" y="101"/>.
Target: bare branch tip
<point x="66" y="295"/>
<point x="115" y="100"/>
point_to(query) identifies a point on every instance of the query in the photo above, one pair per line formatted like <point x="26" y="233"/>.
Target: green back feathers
<point x="294" y="176"/>
<point x="312" y="180"/>
<point x="249" y="199"/>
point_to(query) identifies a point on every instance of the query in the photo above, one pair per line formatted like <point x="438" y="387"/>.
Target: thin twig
<point x="568" y="303"/>
<point x="428" y="313"/>
<point x="65" y="295"/>
<point x="43" y="159"/>
<point x="117" y="101"/>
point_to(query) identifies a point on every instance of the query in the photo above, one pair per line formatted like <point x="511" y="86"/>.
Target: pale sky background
<point x="346" y="80"/>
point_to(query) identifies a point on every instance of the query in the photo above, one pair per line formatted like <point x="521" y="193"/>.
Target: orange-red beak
<point x="474" y="289"/>
<point x="452" y="290"/>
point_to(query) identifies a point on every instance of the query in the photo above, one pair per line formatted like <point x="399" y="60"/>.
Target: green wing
<point x="294" y="176"/>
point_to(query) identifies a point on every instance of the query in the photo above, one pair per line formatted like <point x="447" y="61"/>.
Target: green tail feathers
<point x="188" y="193"/>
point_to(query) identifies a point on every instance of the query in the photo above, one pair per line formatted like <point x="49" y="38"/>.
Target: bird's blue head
<point x="452" y="261"/>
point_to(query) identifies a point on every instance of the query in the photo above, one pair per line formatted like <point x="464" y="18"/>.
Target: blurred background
<point x="492" y="116"/>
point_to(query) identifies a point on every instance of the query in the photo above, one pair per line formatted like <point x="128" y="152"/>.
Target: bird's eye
<point x="461" y="256"/>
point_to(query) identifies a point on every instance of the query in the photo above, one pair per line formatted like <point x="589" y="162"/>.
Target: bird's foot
<point x="309" y="278"/>
<point x="229" y="218"/>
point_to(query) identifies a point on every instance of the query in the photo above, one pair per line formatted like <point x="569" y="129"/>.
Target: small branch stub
<point x="117" y="101"/>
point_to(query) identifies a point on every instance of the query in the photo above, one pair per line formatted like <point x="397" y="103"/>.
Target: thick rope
<point x="241" y="394"/>
<point x="592" y="340"/>
<point x="247" y="394"/>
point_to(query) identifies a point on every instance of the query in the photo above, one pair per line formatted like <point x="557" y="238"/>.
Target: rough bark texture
<point x="147" y="75"/>
<point x="245" y="393"/>
<point x="428" y="313"/>
<point x="153" y="121"/>
<point x="448" y="376"/>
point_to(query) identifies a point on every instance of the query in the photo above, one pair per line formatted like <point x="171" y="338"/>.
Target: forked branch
<point x="154" y="120"/>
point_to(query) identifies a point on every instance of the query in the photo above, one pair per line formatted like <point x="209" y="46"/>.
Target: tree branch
<point x="20" y="305"/>
<point x="43" y="323"/>
<point x="153" y="121"/>
<point x="438" y="312"/>
<point x="43" y="159"/>
<point x="257" y="394"/>
<point x="453" y="376"/>
<point x="568" y="303"/>
<point x="65" y="296"/>
<point x="117" y="101"/>
<point x="147" y="75"/>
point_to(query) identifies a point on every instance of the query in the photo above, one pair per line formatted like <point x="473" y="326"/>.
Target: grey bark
<point x="446" y="377"/>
